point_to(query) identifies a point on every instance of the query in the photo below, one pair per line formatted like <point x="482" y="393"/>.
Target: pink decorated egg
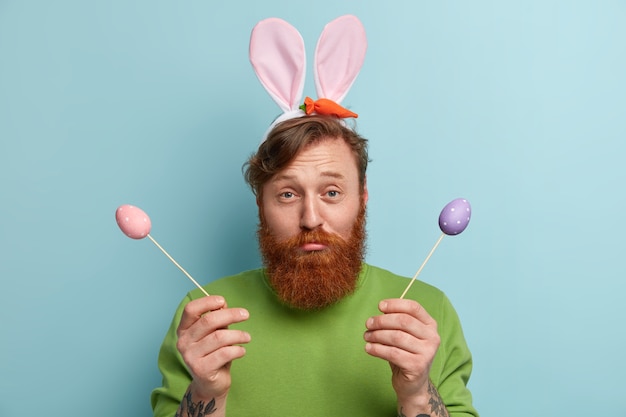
<point x="133" y="221"/>
<point x="455" y="216"/>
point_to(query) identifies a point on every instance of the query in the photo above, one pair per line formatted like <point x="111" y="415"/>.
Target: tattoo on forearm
<point x="437" y="407"/>
<point x="190" y="409"/>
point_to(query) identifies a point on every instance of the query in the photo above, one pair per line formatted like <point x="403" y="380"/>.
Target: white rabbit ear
<point x="278" y="57"/>
<point x="339" y="57"/>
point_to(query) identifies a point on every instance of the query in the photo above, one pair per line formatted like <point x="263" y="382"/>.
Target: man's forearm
<point x="433" y="408"/>
<point x="197" y="407"/>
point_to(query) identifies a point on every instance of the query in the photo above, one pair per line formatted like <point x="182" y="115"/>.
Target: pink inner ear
<point x="339" y="57"/>
<point x="279" y="60"/>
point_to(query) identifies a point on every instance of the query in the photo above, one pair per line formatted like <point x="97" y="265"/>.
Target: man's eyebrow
<point x="331" y="174"/>
<point x="283" y="177"/>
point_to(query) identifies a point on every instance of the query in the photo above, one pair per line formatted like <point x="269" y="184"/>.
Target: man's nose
<point x="311" y="217"/>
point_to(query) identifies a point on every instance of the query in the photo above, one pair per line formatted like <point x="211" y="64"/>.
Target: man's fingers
<point x="411" y="307"/>
<point x="212" y="321"/>
<point x="218" y="340"/>
<point x="398" y="339"/>
<point x="196" y="308"/>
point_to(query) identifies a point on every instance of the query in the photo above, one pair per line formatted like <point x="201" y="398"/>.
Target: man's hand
<point x="406" y="336"/>
<point x="208" y="347"/>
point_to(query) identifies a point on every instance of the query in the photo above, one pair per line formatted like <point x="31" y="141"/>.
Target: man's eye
<point x="333" y="193"/>
<point x="287" y="194"/>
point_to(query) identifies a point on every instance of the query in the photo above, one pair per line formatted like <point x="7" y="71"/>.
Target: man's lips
<point x="313" y="246"/>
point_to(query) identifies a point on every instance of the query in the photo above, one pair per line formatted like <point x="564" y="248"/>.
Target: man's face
<point x="312" y="230"/>
<point x="319" y="189"/>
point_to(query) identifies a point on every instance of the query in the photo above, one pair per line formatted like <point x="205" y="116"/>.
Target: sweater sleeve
<point x="166" y="399"/>
<point x="456" y="366"/>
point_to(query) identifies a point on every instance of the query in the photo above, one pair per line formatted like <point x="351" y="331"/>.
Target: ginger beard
<point x="316" y="279"/>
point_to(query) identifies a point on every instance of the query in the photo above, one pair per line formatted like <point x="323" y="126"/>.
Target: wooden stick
<point x="423" y="264"/>
<point x="179" y="267"/>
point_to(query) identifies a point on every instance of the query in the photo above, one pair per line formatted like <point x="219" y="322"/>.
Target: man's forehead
<point x="330" y="158"/>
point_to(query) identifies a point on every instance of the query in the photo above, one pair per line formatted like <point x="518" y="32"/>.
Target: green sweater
<point x="314" y="363"/>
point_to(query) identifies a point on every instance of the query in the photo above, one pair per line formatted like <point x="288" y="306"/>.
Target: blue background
<point x="517" y="106"/>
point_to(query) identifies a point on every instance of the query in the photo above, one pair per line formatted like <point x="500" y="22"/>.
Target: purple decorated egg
<point x="133" y="221"/>
<point x="455" y="216"/>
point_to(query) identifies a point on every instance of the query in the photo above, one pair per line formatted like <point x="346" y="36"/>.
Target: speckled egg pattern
<point x="133" y="221"/>
<point x="455" y="216"/>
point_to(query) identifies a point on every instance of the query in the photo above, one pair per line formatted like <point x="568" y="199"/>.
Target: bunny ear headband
<point x="278" y="57"/>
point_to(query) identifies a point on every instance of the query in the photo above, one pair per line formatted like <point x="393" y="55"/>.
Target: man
<point x="323" y="332"/>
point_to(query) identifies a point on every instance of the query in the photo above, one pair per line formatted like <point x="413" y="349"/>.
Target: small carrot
<point x="326" y="107"/>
